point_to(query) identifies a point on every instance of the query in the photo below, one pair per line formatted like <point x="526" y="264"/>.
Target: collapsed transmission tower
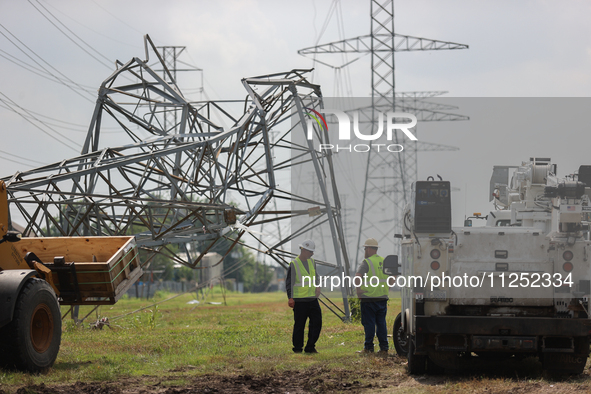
<point x="183" y="188"/>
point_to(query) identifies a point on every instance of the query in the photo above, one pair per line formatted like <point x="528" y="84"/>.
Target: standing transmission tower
<point x="170" y="58"/>
<point x="388" y="177"/>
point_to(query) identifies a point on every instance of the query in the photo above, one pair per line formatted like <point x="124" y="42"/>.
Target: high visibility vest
<point x="376" y="264"/>
<point x="301" y="289"/>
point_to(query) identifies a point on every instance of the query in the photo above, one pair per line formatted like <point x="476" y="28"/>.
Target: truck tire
<point x="31" y="341"/>
<point x="416" y="363"/>
<point x="400" y="337"/>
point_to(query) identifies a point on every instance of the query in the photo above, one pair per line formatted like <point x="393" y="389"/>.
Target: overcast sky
<point x="517" y="49"/>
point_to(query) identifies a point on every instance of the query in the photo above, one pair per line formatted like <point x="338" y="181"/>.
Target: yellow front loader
<point x="39" y="274"/>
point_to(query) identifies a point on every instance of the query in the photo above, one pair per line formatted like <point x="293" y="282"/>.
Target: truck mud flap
<point x="567" y="362"/>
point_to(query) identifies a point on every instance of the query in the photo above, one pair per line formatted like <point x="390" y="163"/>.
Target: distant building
<point x="277" y="282"/>
<point x="213" y="273"/>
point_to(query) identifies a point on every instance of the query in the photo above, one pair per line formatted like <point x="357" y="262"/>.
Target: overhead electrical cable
<point x="40" y="65"/>
<point x="341" y="75"/>
<point x="78" y="127"/>
<point x="108" y="65"/>
<point x="322" y="30"/>
<point x="120" y="20"/>
<point x="73" y="126"/>
<point x="28" y="159"/>
<point x="203" y="80"/>
<point x="92" y="30"/>
<point x="40" y="72"/>
<point x="10" y="103"/>
<point x="347" y="77"/>
<point x="331" y="10"/>
<point x="16" y="161"/>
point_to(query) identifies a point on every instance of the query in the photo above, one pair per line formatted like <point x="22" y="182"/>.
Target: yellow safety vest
<point x="299" y="290"/>
<point x="376" y="264"/>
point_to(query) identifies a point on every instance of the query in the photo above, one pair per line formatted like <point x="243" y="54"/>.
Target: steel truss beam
<point x="381" y="42"/>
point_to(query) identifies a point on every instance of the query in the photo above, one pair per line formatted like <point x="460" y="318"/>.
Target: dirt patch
<point x="78" y="387"/>
<point x="315" y="380"/>
<point x="388" y="376"/>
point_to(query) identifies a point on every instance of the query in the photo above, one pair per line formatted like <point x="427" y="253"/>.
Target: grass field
<point x="244" y="346"/>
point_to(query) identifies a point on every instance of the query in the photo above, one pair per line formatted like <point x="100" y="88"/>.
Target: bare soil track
<point x="390" y="377"/>
<point x="318" y="381"/>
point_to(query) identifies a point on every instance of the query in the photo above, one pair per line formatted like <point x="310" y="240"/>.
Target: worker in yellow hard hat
<point x="302" y="294"/>
<point x="373" y="294"/>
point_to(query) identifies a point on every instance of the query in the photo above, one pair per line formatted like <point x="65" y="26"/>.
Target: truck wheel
<point x="32" y="339"/>
<point x="400" y="337"/>
<point x="416" y="363"/>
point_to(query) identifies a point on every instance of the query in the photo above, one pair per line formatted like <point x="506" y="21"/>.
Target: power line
<point x="20" y="157"/>
<point x="109" y="66"/>
<point x="45" y="69"/>
<point x="40" y="121"/>
<point x="92" y="30"/>
<point x="16" y="161"/>
<point x="204" y="81"/>
<point x="39" y="72"/>
<point x="78" y="127"/>
<point x="120" y="20"/>
<point x="331" y="10"/>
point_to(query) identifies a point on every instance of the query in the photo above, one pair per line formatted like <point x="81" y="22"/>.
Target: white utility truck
<point x="515" y="287"/>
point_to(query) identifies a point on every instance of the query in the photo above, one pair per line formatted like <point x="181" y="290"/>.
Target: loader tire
<point x="400" y="337"/>
<point x="31" y="341"/>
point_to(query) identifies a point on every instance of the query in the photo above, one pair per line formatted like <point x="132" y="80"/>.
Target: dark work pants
<point x="301" y="312"/>
<point x="373" y="314"/>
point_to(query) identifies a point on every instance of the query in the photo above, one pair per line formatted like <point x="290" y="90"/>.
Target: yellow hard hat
<point x="371" y="242"/>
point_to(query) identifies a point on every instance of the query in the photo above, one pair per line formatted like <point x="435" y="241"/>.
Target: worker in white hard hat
<point x="374" y="298"/>
<point x="303" y="298"/>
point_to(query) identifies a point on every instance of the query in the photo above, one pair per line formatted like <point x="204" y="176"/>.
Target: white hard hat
<point x="308" y="245"/>
<point x="371" y="242"/>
